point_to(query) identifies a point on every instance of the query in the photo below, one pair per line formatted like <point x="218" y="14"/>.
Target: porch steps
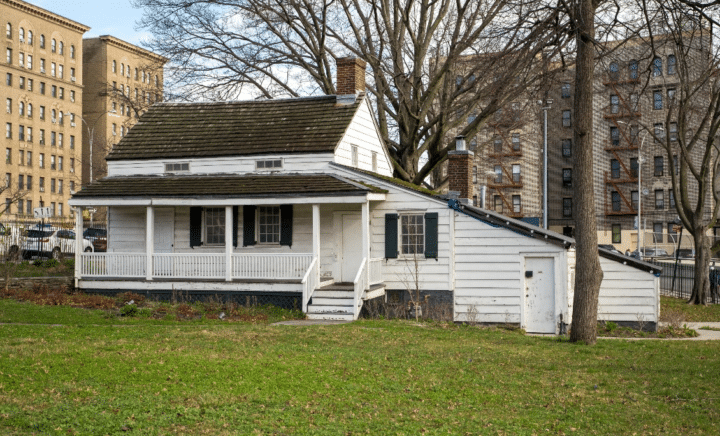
<point x="332" y="302"/>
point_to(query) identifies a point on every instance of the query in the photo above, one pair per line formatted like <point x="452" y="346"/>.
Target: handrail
<point x="309" y="283"/>
<point x="359" y="287"/>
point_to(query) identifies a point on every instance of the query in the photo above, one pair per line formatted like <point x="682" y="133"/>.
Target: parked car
<point x="610" y="247"/>
<point x="650" y="252"/>
<point x="685" y="253"/>
<point x="98" y="237"/>
<point x="44" y="241"/>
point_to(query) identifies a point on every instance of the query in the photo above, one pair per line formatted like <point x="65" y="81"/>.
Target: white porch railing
<point x="310" y="282"/>
<point x="360" y="284"/>
<point x="376" y="271"/>
<point x="271" y="266"/>
<point x="195" y="265"/>
<point x="112" y="265"/>
<point x="189" y="266"/>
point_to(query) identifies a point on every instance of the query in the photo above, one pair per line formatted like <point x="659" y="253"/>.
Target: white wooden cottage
<point x="293" y="199"/>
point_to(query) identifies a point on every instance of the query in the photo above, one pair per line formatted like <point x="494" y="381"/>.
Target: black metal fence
<point x="676" y="280"/>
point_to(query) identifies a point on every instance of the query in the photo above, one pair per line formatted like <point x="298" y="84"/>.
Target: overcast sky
<point x="117" y="18"/>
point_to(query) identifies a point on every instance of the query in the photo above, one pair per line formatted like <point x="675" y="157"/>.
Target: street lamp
<point x="547" y="102"/>
<point x="91" y="132"/>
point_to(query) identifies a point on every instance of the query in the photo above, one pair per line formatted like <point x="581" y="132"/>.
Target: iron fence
<point x="31" y="237"/>
<point x="676" y="280"/>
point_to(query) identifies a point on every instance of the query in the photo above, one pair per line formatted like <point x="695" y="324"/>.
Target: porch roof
<point x="223" y="186"/>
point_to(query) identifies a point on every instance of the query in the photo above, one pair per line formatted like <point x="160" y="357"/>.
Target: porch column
<point x="365" y="223"/>
<point x="316" y="237"/>
<point x="149" y="242"/>
<point x="78" y="243"/>
<point x="228" y="242"/>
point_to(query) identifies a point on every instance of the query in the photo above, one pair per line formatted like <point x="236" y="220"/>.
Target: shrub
<point x="51" y="263"/>
<point x="129" y="310"/>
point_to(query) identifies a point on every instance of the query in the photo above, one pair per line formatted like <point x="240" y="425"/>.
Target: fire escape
<point x="623" y="114"/>
<point x="504" y="153"/>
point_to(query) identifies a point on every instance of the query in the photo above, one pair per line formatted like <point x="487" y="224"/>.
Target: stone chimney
<point x="350" y="79"/>
<point x="460" y="165"/>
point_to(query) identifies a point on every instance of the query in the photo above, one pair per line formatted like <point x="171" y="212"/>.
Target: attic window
<point x="268" y="164"/>
<point x="177" y="167"/>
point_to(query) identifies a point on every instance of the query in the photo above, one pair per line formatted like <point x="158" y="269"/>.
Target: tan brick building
<point x="42" y="93"/>
<point x="121" y="82"/>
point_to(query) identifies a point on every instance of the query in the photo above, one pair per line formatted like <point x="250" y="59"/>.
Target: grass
<point x="368" y="377"/>
<point x="678" y="308"/>
<point x="41" y="268"/>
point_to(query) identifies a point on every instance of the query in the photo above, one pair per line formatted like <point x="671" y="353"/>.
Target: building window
<point x="672" y="234"/>
<point x="497" y="144"/>
<point x="567" y="207"/>
<point x="29" y="110"/>
<point x="616" y="204"/>
<point x="8" y="79"/>
<point x="676" y="164"/>
<point x="633" y="69"/>
<point x="41" y="185"/>
<point x="21" y="108"/>
<point x="8" y="105"/>
<point x="114" y="129"/>
<point x="614" y="70"/>
<point x="72" y="142"/>
<point x="8" y="55"/>
<point x="659" y="199"/>
<point x="658" y="166"/>
<point x="517" y="204"/>
<point x="21" y="207"/>
<point x="671" y="197"/>
<point x="214" y="225"/>
<point x="8" y="130"/>
<point x="60" y="186"/>
<point x="21" y="133"/>
<point x="516" y="173"/>
<point x="169" y="167"/>
<point x="566" y="121"/>
<point x="498" y="204"/>
<point x="616" y="233"/>
<point x="29" y="160"/>
<point x="8" y="30"/>
<point x="516" y="141"/>
<point x="474" y="174"/>
<point x="634" y="167"/>
<point x="268" y="164"/>
<point x="498" y="174"/>
<point x="657" y="233"/>
<point x="615" y="168"/>
<point x="634" y="199"/>
<point x="52" y="162"/>
<point x="52" y="186"/>
<point x="672" y="127"/>
<point x="21" y="181"/>
<point x="567" y="147"/>
<point x="671" y="63"/>
<point x="42" y="41"/>
<point x="61" y="48"/>
<point x="41" y="160"/>
<point x="615" y="136"/>
<point x="114" y="66"/>
<point x="671" y="95"/>
<point x="268" y="224"/>
<point x="53" y="91"/>
<point x="60" y="163"/>
<point x="614" y="104"/>
<point x="657" y="99"/>
<point x="657" y="67"/>
<point x="28" y="207"/>
<point x="72" y="51"/>
<point x="659" y="131"/>
<point x="567" y="177"/>
<point x="565" y="90"/>
<point x="42" y="137"/>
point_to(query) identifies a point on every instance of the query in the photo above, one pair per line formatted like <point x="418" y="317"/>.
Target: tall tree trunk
<point x="588" y="273"/>
<point x="701" y="284"/>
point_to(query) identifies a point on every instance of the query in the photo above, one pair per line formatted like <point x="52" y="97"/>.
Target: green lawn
<point x="368" y="377"/>
<point x="678" y="308"/>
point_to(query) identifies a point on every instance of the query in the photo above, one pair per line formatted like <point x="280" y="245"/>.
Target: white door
<point x="164" y="230"/>
<point x="351" y="247"/>
<point x="540" y="295"/>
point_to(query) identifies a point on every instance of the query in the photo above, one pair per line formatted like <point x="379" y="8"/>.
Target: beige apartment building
<point x="121" y="81"/>
<point x="42" y="91"/>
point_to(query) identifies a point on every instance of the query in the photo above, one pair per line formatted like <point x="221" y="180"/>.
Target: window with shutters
<point x="412" y="234"/>
<point x="214" y="226"/>
<point x="268" y="224"/>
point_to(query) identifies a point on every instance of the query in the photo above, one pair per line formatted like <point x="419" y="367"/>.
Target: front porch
<point x="286" y="243"/>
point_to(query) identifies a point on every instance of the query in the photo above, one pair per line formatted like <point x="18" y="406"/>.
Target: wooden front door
<point x="351" y="247"/>
<point x="539" y="310"/>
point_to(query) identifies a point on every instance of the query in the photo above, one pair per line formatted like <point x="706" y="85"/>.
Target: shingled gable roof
<point x="225" y="185"/>
<point x="283" y="126"/>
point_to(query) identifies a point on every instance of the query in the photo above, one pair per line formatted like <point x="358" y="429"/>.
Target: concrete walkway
<point x="703" y="335"/>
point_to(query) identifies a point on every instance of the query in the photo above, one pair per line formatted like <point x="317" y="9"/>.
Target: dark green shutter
<point x="431" y="235"/>
<point x="249" y="225"/>
<point x="391" y="235"/>
<point x="235" y="225"/>
<point x="195" y="226"/>
<point x="286" y="224"/>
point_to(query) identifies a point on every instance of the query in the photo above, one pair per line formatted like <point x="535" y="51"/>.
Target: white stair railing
<point x="360" y="284"/>
<point x="310" y="282"/>
<point x="376" y="271"/>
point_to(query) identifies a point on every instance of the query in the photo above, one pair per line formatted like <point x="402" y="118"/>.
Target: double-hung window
<point x="268" y="218"/>
<point x="214" y="225"/>
<point x="411" y="234"/>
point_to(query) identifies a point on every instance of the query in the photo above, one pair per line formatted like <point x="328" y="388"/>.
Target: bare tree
<point x="431" y="62"/>
<point x="690" y="136"/>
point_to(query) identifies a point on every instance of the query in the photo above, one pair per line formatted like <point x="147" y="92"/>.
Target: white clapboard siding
<point x="126" y="227"/>
<point x="302" y="163"/>
<point x="627" y="293"/>
<point x="363" y="134"/>
<point x="488" y="266"/>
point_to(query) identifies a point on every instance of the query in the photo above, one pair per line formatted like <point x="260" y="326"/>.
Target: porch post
<point x="149" y="242"/>
<point x="365" y="223"/>
<point x="316" y="237"/>
<point x="78" y="243"/>
<point x="228" y="242"/>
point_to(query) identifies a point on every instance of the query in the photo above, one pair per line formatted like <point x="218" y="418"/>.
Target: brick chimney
<point x="460" y="164"/>
<point x="350" y="78"/>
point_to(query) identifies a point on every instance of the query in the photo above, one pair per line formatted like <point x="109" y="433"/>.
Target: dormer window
<point x="177" y="167"/>
<point x="270" y="164"/>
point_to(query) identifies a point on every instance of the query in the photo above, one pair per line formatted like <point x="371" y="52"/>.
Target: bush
<point x="129" y="310"/>
<point x="51" y="263"/>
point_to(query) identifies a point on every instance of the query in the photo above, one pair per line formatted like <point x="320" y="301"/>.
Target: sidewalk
<point x="703" y="335"/>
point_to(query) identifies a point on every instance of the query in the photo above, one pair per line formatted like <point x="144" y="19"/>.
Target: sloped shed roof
<point x="283" y="126"/>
